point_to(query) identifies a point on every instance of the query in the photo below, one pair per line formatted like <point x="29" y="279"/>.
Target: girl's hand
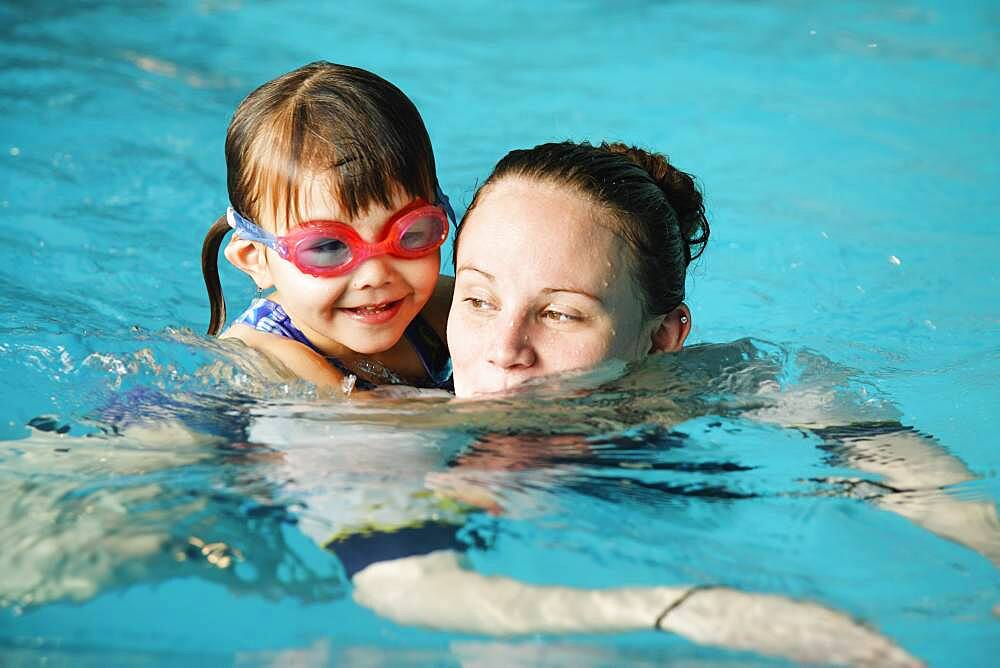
<point x="298" y="360"/>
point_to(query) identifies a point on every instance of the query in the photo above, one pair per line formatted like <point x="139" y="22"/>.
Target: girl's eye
<point x="326" y="253"/>
<point x="421" y="233"/>
<point x="414" y="238"/>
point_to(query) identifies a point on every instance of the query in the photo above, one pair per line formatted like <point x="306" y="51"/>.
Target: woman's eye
<point x="478" y="304"/>
<point x="559" y="316"/>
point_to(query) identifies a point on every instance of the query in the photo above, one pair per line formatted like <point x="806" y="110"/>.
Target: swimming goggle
<point x="330" y="248"/>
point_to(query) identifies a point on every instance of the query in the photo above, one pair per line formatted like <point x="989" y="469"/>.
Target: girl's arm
<point x="298" y="359"/>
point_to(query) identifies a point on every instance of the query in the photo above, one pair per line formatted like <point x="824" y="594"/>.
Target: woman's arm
<point x="916" y="473"/>
<point x="436" y="591"/>
<point x="917" y="470"/>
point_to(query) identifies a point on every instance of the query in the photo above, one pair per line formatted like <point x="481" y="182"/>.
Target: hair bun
<point x="680" y="190"/>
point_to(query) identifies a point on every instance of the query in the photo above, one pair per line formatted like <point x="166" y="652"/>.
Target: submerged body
<point x="351" y="476"/>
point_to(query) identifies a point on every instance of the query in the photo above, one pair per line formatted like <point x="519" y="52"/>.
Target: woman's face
<point x="543" y="285"/>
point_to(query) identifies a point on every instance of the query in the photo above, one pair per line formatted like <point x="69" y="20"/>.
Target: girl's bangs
<point x="359" y="175"/>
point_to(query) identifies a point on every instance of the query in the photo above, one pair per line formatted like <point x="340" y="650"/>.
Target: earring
<point x="684" y="320"/>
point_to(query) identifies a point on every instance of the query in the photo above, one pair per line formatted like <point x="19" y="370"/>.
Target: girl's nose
<point x="373" y="273"/>
<point x="512" y="345"/>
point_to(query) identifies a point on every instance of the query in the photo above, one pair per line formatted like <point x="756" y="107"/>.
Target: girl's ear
<point x="673" y="330"/>
<point x="250" y="258"/>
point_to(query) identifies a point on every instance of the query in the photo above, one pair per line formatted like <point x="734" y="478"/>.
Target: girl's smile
<point x="374" y="314"/>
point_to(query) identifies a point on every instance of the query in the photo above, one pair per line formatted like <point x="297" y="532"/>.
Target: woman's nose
<point x="512" y="346"/>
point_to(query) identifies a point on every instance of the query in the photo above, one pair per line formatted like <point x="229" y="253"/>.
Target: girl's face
<point x="366" y="310"/>
<point x="543" y="285"/>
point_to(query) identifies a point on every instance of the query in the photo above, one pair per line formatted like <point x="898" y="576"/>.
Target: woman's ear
<point x="250" y="258"/>
<point x="673" y="330"/>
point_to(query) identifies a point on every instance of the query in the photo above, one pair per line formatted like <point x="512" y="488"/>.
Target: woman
<point x="570" y="255"/>
<point x="573" y="255"/>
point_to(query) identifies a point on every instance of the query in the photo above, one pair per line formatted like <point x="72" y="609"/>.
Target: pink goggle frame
<point x="330" y="248"/>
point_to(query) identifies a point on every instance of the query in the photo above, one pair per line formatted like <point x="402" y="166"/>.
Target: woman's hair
<point x="322" y="119"/>
<point x="657" y="208"/>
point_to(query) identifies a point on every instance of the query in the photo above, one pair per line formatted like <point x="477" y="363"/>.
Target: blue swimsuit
<point x="267" y="316"/>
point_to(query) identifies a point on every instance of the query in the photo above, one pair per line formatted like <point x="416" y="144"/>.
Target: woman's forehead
<point x="539" y="212"/>
<point x="541" y="233"/>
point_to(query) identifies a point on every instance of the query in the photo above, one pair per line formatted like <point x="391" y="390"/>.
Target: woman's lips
<point x="374" y="314"/>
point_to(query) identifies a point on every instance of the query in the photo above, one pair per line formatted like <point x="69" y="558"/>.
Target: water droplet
<point x="895" y="260"/>
<point x="930" y="324"/>
<point x="873" y="45"/>
<point x="824" y="235"/>
<point x="812" y="32"/>
<point x="15" y="151"/>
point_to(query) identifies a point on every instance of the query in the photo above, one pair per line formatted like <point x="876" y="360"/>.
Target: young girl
<point x="335" y="205"/>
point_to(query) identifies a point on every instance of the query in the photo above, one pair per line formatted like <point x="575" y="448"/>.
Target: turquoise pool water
<point x="849" y="158"/>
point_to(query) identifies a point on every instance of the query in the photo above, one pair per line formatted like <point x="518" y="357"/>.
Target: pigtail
<point x="210" y="270"/>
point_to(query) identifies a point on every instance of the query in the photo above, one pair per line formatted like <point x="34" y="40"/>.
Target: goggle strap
<point x="248" y="230"/>
<point x="444" y="202"/>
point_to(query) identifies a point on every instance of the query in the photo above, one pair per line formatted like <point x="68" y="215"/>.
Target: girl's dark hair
<point x="657" y="208"/>
<point x="320" y="119"/>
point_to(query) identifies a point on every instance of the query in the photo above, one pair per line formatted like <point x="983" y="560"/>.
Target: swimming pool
<point x="848" y="155"/>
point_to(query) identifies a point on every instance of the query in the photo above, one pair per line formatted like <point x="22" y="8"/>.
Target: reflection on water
<point x="707" y="451"/>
